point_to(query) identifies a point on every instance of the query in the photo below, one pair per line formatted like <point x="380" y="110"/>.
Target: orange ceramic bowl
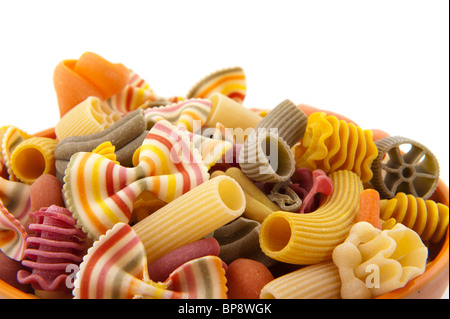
<point x="430" y="285"/>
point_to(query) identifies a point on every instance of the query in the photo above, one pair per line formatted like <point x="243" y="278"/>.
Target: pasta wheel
<point x="330" y="144"/>
<point x="415" y="172"/>
<point x="426" y="217"/>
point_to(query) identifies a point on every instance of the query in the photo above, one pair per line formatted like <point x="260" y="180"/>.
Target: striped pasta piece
<point x="319" y="281"/>
<point x="115" y="267"/>
<point x="126" y="135"/>
<point x="15" y="197"/>
<point x="33" y="157"/>
<point x="101" y="193"/>
<point x="191" y="216"/>
<point x="136" y="94"/>
<point x="189" y="114"/>
<point x="230" y="82"/>
<point x="330" y="144"/>
<point x="426" y="217"/>
<point x="310" y="238"/>
<point x="12" y="235"/>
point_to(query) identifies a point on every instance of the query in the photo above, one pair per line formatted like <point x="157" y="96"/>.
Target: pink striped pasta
<point x="185" y="114"/>
<point x="116" y="267"/>
<point x="12" y="235"/>
<point x="101" y="193"/>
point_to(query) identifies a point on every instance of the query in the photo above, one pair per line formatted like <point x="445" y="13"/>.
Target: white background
<point x="385" y="64"/>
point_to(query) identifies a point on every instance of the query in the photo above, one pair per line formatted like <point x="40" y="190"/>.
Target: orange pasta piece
<point x="109" y="78"/>
<point x="379" y="134"/>
<point x="71" y="89"/>
<point x="308" y="110"/>
<point x="369" y="208"/>
<point x="91" y="75"/>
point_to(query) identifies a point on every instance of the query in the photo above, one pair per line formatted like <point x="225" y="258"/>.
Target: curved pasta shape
<point x="12" y="235"/>
<point x="266" y="157"/>
<point x="288" y="121"/>
<point x="101" y="193"/>
<point x="55" y="244"/>
<point x="310" y="238"/>
<point x="15" y="197"/>
<point x="116" y="268"/>
<point x="126" y="135"/>
<point x="136" y="94"/>
<point x="90" y="75"/>
<point x="189" y="114"/>
<point x="11" y="137"/>
<point x="240" y="239"/>
<point x="90" y="116"/>
<point x="229" y="82"/>
<point x="32" y="158"/>
<point x="191" y="216"/>
<point x="106" y="149"/>
<point x="330" y="144"/>
<point x="372" y="262"/>
<point x="320" y="281"/>
<point x="426" y="217"/>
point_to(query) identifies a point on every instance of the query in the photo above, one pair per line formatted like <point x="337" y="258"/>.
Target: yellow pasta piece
<point x="330" y="144"/>
<point x="258" y="205"/>
<point x="426" y="217"/>
<point x="32" y="158"/>
<point x="11" y="136"/>
<point x="191" y="216"/>
<point x="312" y="147"/>
<point x="310" y="238"/>
<point x="231" y="114"/>
<point x="89" y="116"/>
<point x="372" y="262"/>
<point x="320" y="281"/>
<point x="106" y="149"/>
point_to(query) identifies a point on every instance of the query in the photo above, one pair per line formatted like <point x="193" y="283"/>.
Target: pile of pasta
<point x="136" y="195"/>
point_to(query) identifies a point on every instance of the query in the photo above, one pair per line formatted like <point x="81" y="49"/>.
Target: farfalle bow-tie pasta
<point x="136" y="195"/>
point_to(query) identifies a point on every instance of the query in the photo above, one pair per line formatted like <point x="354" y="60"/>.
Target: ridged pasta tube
<point x="231" y="114"/>
<point x="426" y="217"/>
<point x="320" y="281"/>
<point x="258" y="205"/>
<point x="90" y="116"/>
<point x="310" y="238"/>
<point x="191" y="216"/>
<point x="33" y="157"/>
<point x="330" y="144"/>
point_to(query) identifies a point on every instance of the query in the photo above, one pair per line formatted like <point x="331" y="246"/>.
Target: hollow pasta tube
<point x="320" y="281"/>
<point x="191" y="216"/>
<point x="310" y="238"/>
